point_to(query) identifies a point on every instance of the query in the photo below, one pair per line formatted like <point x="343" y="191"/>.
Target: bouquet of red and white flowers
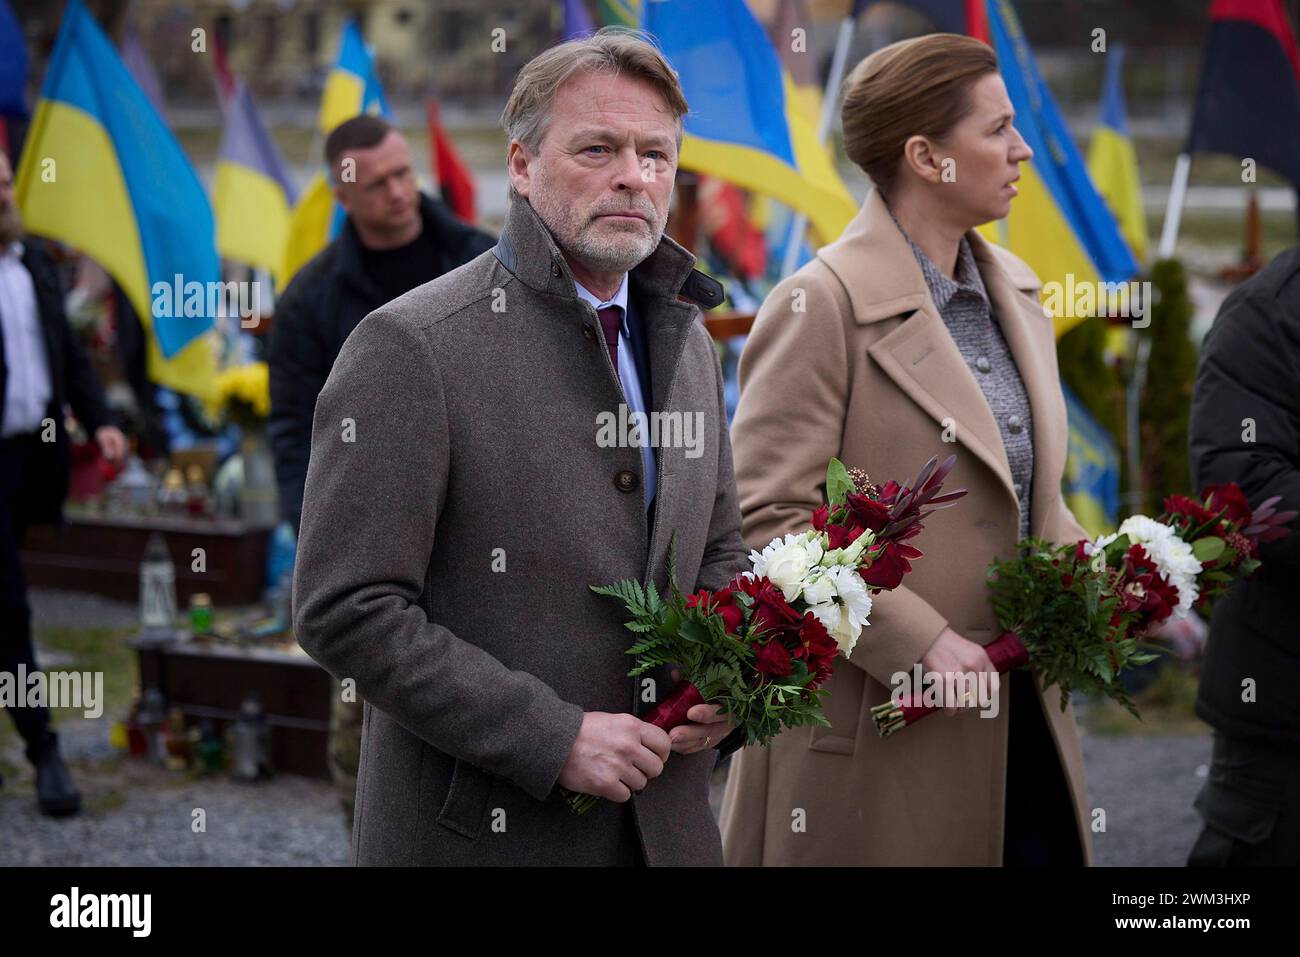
<point x="1079" y="614"/>
<point x="762" y="646"/>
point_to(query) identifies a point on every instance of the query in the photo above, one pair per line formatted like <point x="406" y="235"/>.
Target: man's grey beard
<point x="570" y="228"/>
<point x="11" y="225"/>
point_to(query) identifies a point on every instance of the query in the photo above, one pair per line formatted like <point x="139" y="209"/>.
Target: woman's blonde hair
<point x="612" y="50"/>
<point x="917" y="87"/>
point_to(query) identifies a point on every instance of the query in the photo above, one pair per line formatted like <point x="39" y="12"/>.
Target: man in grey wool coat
<point x="472" y="473"/>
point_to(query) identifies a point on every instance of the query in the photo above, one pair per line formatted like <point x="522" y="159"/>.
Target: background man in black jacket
<point x="1245" y="428"/>
<point x="394" y="239"/>
<point x="42" y="367"/>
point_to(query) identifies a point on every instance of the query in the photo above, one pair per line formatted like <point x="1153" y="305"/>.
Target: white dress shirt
<point x="28" y="389"/>
<point x="627" y="374"/>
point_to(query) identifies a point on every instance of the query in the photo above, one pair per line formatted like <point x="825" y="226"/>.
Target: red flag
<point x="454" y="179"/>
<point x="726" y="222"/>
<point x="221" y="74"/>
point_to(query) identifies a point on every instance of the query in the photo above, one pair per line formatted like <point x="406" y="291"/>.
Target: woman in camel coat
<point x="853" y="357"/>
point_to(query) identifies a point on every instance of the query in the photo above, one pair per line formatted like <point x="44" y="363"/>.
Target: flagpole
<point x="1174" y="209"/>
<point x="829" y="95"/>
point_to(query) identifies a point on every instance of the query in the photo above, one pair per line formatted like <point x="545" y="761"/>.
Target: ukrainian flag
<point x="1112" y="161"/>
<point x="746" y="123"/>
<point x="251" y="189"/>
<point x="1091" y="480"/>
<point x="352" y="88"/>
<point x="625" y="13"/>
<point x="1058" y="224"/>
<point x="101" y="172"/>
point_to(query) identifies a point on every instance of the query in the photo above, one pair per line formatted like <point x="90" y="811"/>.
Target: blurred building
<point x="284" y="48"/>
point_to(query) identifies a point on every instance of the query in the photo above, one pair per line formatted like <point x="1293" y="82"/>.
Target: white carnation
<point x="1173" y="556"/>
<point x="845" y="615"/>
<point x="819" y="590"/>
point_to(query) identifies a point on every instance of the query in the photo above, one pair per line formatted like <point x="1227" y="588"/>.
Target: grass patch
<point x="86" y="649"/>
<point x="1166" y="706"/>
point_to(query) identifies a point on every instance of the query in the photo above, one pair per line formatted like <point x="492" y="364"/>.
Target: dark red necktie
<point x="611" y="321"/>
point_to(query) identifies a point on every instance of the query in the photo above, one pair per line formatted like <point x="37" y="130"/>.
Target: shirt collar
<point x="966" y="275"/>
<point x="15" y="249"/>
<point x="619" y="299"/>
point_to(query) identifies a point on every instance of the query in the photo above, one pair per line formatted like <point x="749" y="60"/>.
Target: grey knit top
<point x="964" y="305"/>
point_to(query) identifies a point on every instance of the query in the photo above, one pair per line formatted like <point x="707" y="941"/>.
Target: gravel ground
<point x="136" y="814"/>
<point x="1146" y="785"/>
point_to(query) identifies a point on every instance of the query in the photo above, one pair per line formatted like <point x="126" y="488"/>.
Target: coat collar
<point x="896" y="285"/>
<point x="883" y="280"/>
<point x="528" y="250"/>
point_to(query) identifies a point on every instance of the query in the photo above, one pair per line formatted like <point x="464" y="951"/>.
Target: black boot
<point x="56" y="795"/>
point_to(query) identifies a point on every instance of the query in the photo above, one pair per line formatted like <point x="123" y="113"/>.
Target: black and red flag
<point x="1248" y="101"/>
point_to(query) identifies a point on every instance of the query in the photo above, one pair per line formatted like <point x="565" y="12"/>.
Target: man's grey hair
<point x="613" y="50"/>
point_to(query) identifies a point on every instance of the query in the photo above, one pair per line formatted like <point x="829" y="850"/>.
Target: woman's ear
<point x="919" y="155"/>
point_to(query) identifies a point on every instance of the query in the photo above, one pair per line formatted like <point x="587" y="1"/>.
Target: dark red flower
<point x="702" y="599"/>
<point x="812" y="638"/>
<point x="1143" y="591"/>
<point x="1187" y="511"/>
<point x="888" y="569"/>
<point x="773" y="659"/>
<point x="842" y="536"/>
<point x="771" y="612"/>
<point x="889" y="493"/>
<point x="1231" y="497"/>
<point x="866" y="512"/>
<point x="733" y="616"/>
<point x="721" y="603"/>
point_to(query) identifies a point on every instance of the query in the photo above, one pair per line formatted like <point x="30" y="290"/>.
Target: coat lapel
<point x="924" y="361"/>
<point x="920" y="354"/>
<point x="1032" y="342"/>
<point x="527" y="249"/>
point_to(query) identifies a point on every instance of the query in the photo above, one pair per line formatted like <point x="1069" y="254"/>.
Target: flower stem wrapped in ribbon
<point x="1079" y="614"/>
<point x="761" y="647"/>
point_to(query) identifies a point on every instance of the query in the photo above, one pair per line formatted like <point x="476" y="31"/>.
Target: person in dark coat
<point x="42" y="368"/>
<point x="1245" y="428"/>
<point x="394" y="239"/>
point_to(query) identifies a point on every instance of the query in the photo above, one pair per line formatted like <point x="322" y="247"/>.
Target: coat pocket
<point x="1236" y="824"/>
<point x="843" y="707"/>
<point x="467" y="799"/>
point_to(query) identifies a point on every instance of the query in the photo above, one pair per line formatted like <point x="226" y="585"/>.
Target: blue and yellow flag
<point x="101" y="172"/>
<point x="1058" y="224"/>
<point x="746" y="124"/>
<point x="625" y="13"/>
<point x="1091" y="480"/>
<point x="352" y="88"/>
<point x="252" y="193"/>
<point x="1112" y="161"/>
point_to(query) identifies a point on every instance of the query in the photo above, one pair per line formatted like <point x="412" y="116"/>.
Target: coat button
<point x="1014" y="423"/>
<point x="588" y="333"/>
<point x="555" y="269"/>
<point x="983" y="364"/>
<point x="626" y="481"/>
